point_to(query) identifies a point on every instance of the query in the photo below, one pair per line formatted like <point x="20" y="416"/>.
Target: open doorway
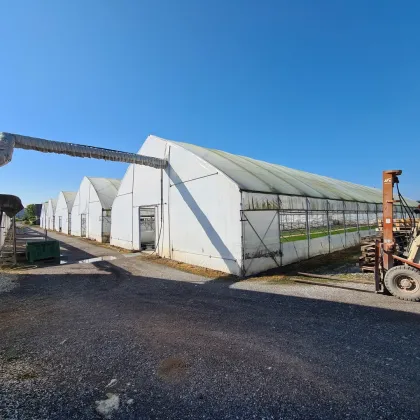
<point x="60" y="224"/>
<point x="83" y="225"/>
<point x="106" y="225"/>
<point x="147" y="227"/>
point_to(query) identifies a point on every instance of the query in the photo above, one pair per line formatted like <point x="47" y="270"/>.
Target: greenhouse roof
<point x="107" y="190"/>
<point x="258" y="176"/>
<point x="69" y="197"/>
<point x="53" y="202"/>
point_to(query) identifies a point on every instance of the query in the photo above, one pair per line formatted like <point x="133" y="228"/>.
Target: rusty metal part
<point x="405" y="261"/>
<point x="378" y="283"/>
<point x="389" y="179"/>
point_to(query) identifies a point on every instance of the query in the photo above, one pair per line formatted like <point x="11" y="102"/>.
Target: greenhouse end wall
<point x="278" y="230"/>
<point x="6" y="223"/>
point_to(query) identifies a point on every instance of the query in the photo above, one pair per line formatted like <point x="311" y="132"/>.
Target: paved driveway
<point x="166" y="344"/>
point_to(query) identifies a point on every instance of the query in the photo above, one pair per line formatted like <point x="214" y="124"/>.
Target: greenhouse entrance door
<point x="60" y="223"/>
<point x="261" y="240"/>
<point x="83" y="226"/>
<point x="147" y="227"/>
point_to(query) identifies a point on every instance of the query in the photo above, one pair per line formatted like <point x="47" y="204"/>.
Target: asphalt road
<point x="180" y="346"/>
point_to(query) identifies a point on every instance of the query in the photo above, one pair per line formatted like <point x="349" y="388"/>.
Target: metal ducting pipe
<point x="9" y="141"/>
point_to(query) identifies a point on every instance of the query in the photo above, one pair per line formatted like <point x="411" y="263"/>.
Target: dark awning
<point x="10" y="204"/>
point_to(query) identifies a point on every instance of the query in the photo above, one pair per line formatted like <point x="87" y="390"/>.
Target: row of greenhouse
<point x="85" y="213"/>
<point x="218" y="210"/>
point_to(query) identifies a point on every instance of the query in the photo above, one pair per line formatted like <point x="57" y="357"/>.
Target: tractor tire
<point x="403" y="282"/>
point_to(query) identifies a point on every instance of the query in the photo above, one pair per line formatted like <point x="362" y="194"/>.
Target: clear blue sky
<point x="330" y="87"/>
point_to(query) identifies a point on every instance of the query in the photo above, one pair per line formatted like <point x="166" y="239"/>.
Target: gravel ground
<point x="128" y="339"/>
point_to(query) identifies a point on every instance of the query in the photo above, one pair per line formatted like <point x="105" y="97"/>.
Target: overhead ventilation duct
<point x="10" y="141"/>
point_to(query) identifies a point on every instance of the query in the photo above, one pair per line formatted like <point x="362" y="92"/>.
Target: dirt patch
<point x="104" y="245"/>
<point x="13" y="368"/>
<point x="275" y="278"/>
<point x="172" y="369"/>
<point x="7" y="282"/>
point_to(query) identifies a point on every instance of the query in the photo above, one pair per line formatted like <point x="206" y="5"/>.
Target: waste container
<point x="42" y="250"/>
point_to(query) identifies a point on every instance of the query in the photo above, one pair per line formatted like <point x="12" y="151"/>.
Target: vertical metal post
<point x="242" y="219"/>
<point x="328" y="226"/>
<point x="87" y="223"/>
<point x="161" y="214"/>
<point x="139" y="219"/>
<point x="308" y="229"/>
<point x="344" y="224"/>
<point x="14" y="240"/>
<point x="168" y="169"/>
<point x="357" y="221"/>
<point x="132" y="211"/>
<point x="389" y="178"/>
<point x="279" y="227"/>
<point x="376" y="270"/>
<point x="1" y="228"/>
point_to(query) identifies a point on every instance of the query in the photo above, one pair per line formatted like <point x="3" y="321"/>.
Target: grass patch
<point x="319" y="233"/>
<point x="280" y="279"/>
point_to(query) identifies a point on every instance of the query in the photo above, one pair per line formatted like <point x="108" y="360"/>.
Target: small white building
<point x="65" y="202"/>
<point x="91" y="212"/>
<point x="43" y="217"/>
<point x="236" y="214"/>
<point x="50" y="213"/>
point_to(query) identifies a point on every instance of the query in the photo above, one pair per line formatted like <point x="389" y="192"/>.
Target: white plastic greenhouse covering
<point x="236" y="214"/>
<point x="91" y="211"/>
<point x="43" y="217"/>
<point x="50" y="213"/>
<point x="63" y="210"/>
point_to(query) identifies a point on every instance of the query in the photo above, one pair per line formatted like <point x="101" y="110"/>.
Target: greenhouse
<point x="43" y="217"/>
<point x="236" y="214"/>
<point x="50" y="213"/>
<point x="91" y="211"/>
<point x="65" y="202"/>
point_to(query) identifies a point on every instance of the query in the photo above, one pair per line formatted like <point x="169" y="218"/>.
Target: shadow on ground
<point x="185" y="350"/>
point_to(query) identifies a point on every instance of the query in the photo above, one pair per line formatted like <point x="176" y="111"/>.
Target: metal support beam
<point x="389" y="178"/>
<point x="10" y="141"/>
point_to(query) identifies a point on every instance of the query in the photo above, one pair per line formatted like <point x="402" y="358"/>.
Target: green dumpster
<point x="42" y="250"/>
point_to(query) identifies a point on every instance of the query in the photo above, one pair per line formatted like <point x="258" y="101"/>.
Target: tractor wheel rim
<point x="407" y="284"/>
